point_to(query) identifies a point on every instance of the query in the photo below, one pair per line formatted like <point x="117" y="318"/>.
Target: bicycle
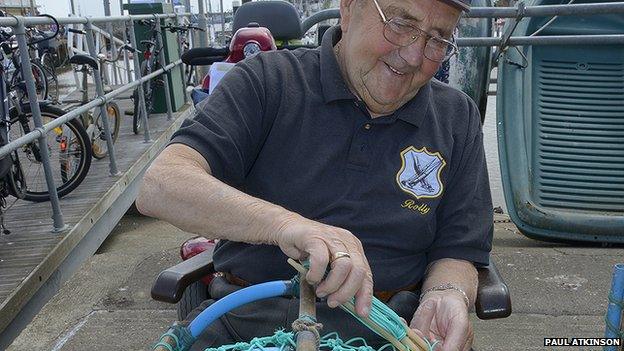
<point x="185" y="30"/>
<point x="47" y="57"/>
<point x="92" y="120"/>
<point x="68" y="144"/>
<point x="151" y="63"/>
<point x="13" y="66"/>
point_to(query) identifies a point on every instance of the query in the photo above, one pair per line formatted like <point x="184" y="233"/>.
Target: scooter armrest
<point x="493" y="299"/>
<point x="172" y="282"/>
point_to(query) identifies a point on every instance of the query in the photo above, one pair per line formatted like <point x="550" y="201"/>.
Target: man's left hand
<point x="443" y="316"/>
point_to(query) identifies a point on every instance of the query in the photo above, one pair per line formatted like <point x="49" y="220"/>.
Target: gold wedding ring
<point x="340" y="254"/>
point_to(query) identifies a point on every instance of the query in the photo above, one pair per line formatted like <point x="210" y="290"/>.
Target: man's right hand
<point x="323" y="245"/>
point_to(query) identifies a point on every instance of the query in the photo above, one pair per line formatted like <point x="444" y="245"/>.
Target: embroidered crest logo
<point x="420" y="172"/>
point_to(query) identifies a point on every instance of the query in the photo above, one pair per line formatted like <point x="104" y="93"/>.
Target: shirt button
<point x="367" y="126"/>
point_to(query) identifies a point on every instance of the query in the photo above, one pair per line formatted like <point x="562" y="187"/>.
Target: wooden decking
<point x="32" y="253"/>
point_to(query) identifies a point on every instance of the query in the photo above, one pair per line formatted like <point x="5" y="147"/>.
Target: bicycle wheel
<point x="137" y="118"/>
<point x="98" y="143"/>
<point x="68" y="146"/>
<point x="41" y="82"/>
<point x="191" y="76"/>
<point x="47" y="63"/>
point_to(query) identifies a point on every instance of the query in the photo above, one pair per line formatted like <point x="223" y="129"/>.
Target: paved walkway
<point x="557" y="290"/>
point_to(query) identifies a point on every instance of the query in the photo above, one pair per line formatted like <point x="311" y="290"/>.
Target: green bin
<point x="176" y="81"/>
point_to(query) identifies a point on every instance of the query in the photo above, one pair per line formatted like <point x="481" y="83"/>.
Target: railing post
<point x="20" y="34"/>
<point x="103" y="108"/>
<point x="115" y="73"/>
<point x="125" y="52"/>
<point x="180" y="50"/>
<point x="201" y="22"/>
<point x="137" y="76"/>
<point x="163" y="63"/>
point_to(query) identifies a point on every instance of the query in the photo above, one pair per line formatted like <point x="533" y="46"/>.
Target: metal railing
<point x="103" y="38"/>
<point x="516" y="14"/>
<point x="40" y="130"/>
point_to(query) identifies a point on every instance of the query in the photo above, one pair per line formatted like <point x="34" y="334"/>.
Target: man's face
<point x="384" y="75"/>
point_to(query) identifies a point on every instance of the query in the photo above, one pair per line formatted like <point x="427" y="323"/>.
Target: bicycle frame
<point x="152" y="52"/>
<point x="12" y="180"/>
<point x="86" y="117"/>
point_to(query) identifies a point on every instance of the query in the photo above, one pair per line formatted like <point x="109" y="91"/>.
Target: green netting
<point x="381" y="320"/>
<point x="282" y="340"/>
<point x="177" y="338"/>
<point x="286" y="341"/>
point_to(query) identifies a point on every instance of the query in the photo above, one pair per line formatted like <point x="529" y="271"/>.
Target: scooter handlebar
<point x="204" y="56"/>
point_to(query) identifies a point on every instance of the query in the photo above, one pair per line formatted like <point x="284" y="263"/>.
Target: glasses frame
<point x="417" y="33"/>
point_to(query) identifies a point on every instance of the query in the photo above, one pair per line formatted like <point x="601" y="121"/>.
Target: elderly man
<point x="348" y="155"/>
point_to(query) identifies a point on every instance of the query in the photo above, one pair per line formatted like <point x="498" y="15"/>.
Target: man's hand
<point x="321" y="244"/>
<point x="443" y="316"/>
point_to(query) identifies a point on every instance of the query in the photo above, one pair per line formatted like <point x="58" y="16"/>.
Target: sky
<point x="61" y="8"/>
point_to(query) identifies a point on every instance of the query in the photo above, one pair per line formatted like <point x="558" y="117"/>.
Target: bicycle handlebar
<point x="174" y="29"/>
<point x="77" y="31"/>
<point x="146" y="22"/>
<point x="8" y="37"/>
<point x="126" y="47"/>
<point x="50" y="37"/>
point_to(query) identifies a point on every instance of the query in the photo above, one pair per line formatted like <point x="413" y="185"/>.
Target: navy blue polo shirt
<point x="412" y="186"/>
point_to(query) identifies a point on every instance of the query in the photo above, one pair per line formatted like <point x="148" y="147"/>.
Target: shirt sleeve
<point x="228" y="127"/>
<point x="464" y="219"/>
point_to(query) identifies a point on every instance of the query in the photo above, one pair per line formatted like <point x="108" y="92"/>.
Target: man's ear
<point x="346" y="13"/>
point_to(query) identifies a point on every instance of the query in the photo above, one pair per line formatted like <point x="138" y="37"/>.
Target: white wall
<point x="95" y="8"/>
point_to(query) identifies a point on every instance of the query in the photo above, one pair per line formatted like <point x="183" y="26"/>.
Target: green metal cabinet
<point x="176" y="81"/>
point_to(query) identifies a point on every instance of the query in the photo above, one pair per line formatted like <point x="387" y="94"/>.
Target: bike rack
<point x="40" y="131"/>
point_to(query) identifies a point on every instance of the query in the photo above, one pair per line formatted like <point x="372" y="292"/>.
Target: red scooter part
<point x="246" y="42"/>
<point x="250" y="40"/>
<point x="195" y="246"/>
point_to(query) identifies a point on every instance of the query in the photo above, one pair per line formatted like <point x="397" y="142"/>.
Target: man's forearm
<point x="459" y="273"/>
<point x="178" y="188"/>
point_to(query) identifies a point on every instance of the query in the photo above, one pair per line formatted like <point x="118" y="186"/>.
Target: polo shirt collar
<point x="335" y="88"/>
<point x="415" y="110"/>
<point x="333" y="85"/>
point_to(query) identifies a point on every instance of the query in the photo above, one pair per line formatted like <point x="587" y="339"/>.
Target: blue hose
<point x="616" y="302"/>
<point x="237" y="299"/>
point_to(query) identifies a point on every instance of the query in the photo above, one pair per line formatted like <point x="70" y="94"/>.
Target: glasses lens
<point x="437" y="50"/>
<point x="399" y="32"/>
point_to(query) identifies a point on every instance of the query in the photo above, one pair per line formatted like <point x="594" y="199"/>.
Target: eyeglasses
<point x="401" y="33"/>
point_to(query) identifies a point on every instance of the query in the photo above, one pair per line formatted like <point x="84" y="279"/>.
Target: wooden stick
<point x="306" y="340"/>
<point x="411" y="345"/>
<point x="298" y="266"/>
<point x="416" y="338"/>
<point x="413" y="341"/>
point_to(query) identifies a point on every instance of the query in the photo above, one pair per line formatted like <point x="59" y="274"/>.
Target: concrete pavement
<point x="557" y="291"/>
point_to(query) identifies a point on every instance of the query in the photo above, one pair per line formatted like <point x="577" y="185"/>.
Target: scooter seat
<point x="81" y="59"/>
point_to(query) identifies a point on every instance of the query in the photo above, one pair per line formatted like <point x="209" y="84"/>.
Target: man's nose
<point x="414" y="54"/>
